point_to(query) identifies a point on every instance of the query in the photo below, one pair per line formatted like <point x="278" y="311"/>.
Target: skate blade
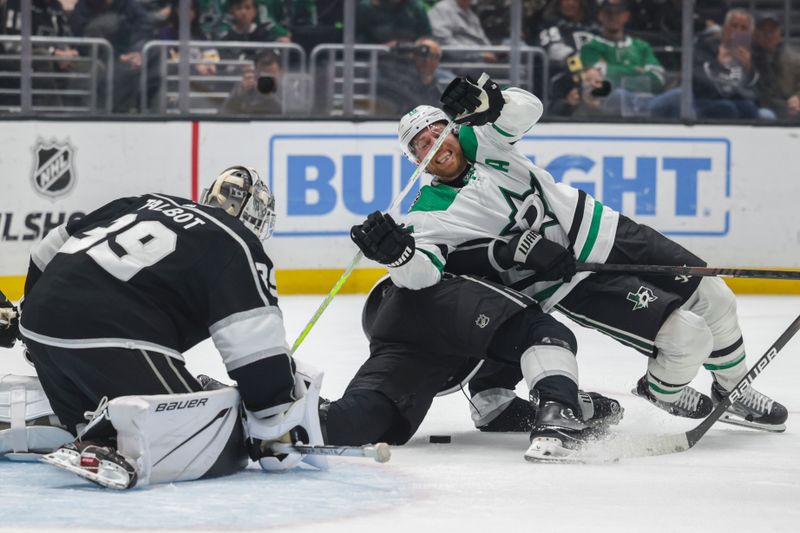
<point x="552" y="450"/>
<point x="59" y="462"/>
<point x="736" y="420"/>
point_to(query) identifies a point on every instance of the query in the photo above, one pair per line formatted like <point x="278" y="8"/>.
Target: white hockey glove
<point x="9" y="323"/>
<point x="298" y="424"/>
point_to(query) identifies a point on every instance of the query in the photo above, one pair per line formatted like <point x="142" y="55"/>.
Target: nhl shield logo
<point x="482" y="321"/>
<point x="53" y="168"/>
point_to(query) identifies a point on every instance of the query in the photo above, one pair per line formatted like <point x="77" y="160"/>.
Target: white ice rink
<point x="734" y="480"/>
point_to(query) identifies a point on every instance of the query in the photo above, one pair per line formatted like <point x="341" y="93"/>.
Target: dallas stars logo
<point x="642" y="298"/>
<point x="516" y="200"/>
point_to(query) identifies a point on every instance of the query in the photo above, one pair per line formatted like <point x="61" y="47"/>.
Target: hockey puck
<point x="440" y="439"/>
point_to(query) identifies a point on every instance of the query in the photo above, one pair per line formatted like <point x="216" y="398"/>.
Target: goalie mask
<point x="242" y="194"/>
<point x="414" y="122"/>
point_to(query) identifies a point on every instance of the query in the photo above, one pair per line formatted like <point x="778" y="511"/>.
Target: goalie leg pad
<point x="180" y="437"/>
<point x="27" y="422"/>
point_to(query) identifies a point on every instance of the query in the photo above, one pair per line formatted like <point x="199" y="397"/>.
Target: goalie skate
<point x="99" y="464"/>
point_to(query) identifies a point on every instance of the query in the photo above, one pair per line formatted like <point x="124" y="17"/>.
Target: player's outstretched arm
<point x="383" y="240"/>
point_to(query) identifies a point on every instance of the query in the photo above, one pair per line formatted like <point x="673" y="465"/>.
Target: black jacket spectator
<point x="385" y="21"/>
<point x="124" y="23"/>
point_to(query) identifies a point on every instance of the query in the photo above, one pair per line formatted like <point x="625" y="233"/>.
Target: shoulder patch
<point x="434" y="198"/>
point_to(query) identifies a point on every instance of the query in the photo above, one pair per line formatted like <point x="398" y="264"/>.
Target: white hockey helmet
<point x="241" y="193"/>
<point x="414" y="122"/>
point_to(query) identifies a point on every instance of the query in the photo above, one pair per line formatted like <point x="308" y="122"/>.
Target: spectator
<point x="49" y="20"/>
<point x="391" y="21"/>
<point x="410" y="76"/>
<point x="288" y="13"/>
<point x="628" y="63"/>
<point x="258" y="90"/>
<point x="584" y="100"/>
<point x="125" y="24"/>
<point x="618" y="55"/>
<point x="245" y="28"/>
<point x="455" y="24"/>
<point x="778" y="67"/>
<point x="565" y="29"/>
<point x="724" y="77"/>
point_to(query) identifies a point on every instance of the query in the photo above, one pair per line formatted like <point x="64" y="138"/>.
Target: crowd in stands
<point x="606" y="58"/>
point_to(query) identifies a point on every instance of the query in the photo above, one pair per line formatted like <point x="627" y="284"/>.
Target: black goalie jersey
<point x="159" y="273"/>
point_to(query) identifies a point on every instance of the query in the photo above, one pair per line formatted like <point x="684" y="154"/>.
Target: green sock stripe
<point x="733" y="363"/>
<point x="663" y="391"/>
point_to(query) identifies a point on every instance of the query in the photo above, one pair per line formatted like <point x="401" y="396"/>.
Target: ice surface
<point x="734" y="480"/>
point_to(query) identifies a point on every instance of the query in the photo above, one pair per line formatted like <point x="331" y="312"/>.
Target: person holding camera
<point x="257" y="91"/>
<point x="407" y="75"/>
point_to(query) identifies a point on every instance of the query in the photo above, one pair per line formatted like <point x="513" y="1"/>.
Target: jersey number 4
<point x="143" y="244"/>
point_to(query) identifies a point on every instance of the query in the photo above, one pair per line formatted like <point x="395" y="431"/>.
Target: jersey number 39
<point x="144" y="244"/>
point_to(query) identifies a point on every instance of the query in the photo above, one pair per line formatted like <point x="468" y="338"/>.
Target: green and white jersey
<point x="628" y="58"/>
<point x="503" y="194"/>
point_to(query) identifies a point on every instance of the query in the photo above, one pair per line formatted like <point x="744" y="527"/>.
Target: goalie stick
<point x="396" y="202"/>
<point x="649" y="445"/>
<point x="669" y="270"/>
<point x="379" y="451"/>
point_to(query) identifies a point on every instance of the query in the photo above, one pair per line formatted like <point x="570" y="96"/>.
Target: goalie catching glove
<point x="550" y="260"/>
<point x="468" y="103"/>
<point x="384" y="240"/>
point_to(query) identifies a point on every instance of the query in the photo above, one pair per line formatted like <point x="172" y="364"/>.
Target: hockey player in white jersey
<point x="114" y="299"/>
<point x="528" y="231"/>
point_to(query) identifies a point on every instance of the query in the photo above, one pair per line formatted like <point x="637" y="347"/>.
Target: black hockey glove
<point x="9" y="323"/>
<point x="550" y="260"/>
<point x="383" y="240"/>
<point x="480" y="105"/>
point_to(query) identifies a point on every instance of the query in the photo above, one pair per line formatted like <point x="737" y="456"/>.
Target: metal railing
<point x="327" y="70"/>
<point x="91" y="75"/>
<point x="208" y="90"/>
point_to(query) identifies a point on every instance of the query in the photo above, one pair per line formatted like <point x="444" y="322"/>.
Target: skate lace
<point x="91" y="415"/>
<point x="689" y="399"/>
<point x="756" y="401"/>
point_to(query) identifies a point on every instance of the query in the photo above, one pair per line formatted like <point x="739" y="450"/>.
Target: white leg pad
<point x="174" y="437"/>
<point x="487" y="404"/>
<point x="684" y="342"/>
<point x="22" y="400"/>
<point x="544" y="360"/>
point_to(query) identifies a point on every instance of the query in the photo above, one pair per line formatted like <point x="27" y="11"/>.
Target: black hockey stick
<point x="379" y="451"/>
<point x="647" y="445"/>
<point x="669" y="270"/>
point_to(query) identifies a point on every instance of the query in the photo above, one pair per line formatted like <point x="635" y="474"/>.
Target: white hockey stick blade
<point x="104" y="477"/>
<point x="729" y="418"/>
<point x="380" y="452"/>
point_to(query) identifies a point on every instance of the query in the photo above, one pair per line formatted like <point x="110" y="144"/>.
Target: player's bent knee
<point x="180" y="437"/>
<point x="684" y="339"/>
<point x="22" y="404"/>
<point x="716" y="303"/>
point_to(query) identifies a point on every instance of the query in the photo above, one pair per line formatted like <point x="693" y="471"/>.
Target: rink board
<point x="726" y="193"/>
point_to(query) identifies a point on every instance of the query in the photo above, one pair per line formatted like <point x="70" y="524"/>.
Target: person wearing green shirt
<point x="627" y="62"/>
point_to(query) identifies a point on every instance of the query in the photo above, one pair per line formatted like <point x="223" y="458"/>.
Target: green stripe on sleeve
<point x="435" y="260"/>
<point x="594" y="230"/>
<point x="469" y="143"/>
<point x="502" y="131"/>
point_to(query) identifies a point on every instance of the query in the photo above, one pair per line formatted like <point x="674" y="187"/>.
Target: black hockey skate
<point x="558" y="434"/>
<point x="690" y="403"/>
<point x="102" y="465"/>
<point x="599" y="412"/>
<point x="752" y="410"/>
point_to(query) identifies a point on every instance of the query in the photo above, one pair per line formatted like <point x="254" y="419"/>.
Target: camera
<point x="266" y="84"/>
<point x="411" y="49"/>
